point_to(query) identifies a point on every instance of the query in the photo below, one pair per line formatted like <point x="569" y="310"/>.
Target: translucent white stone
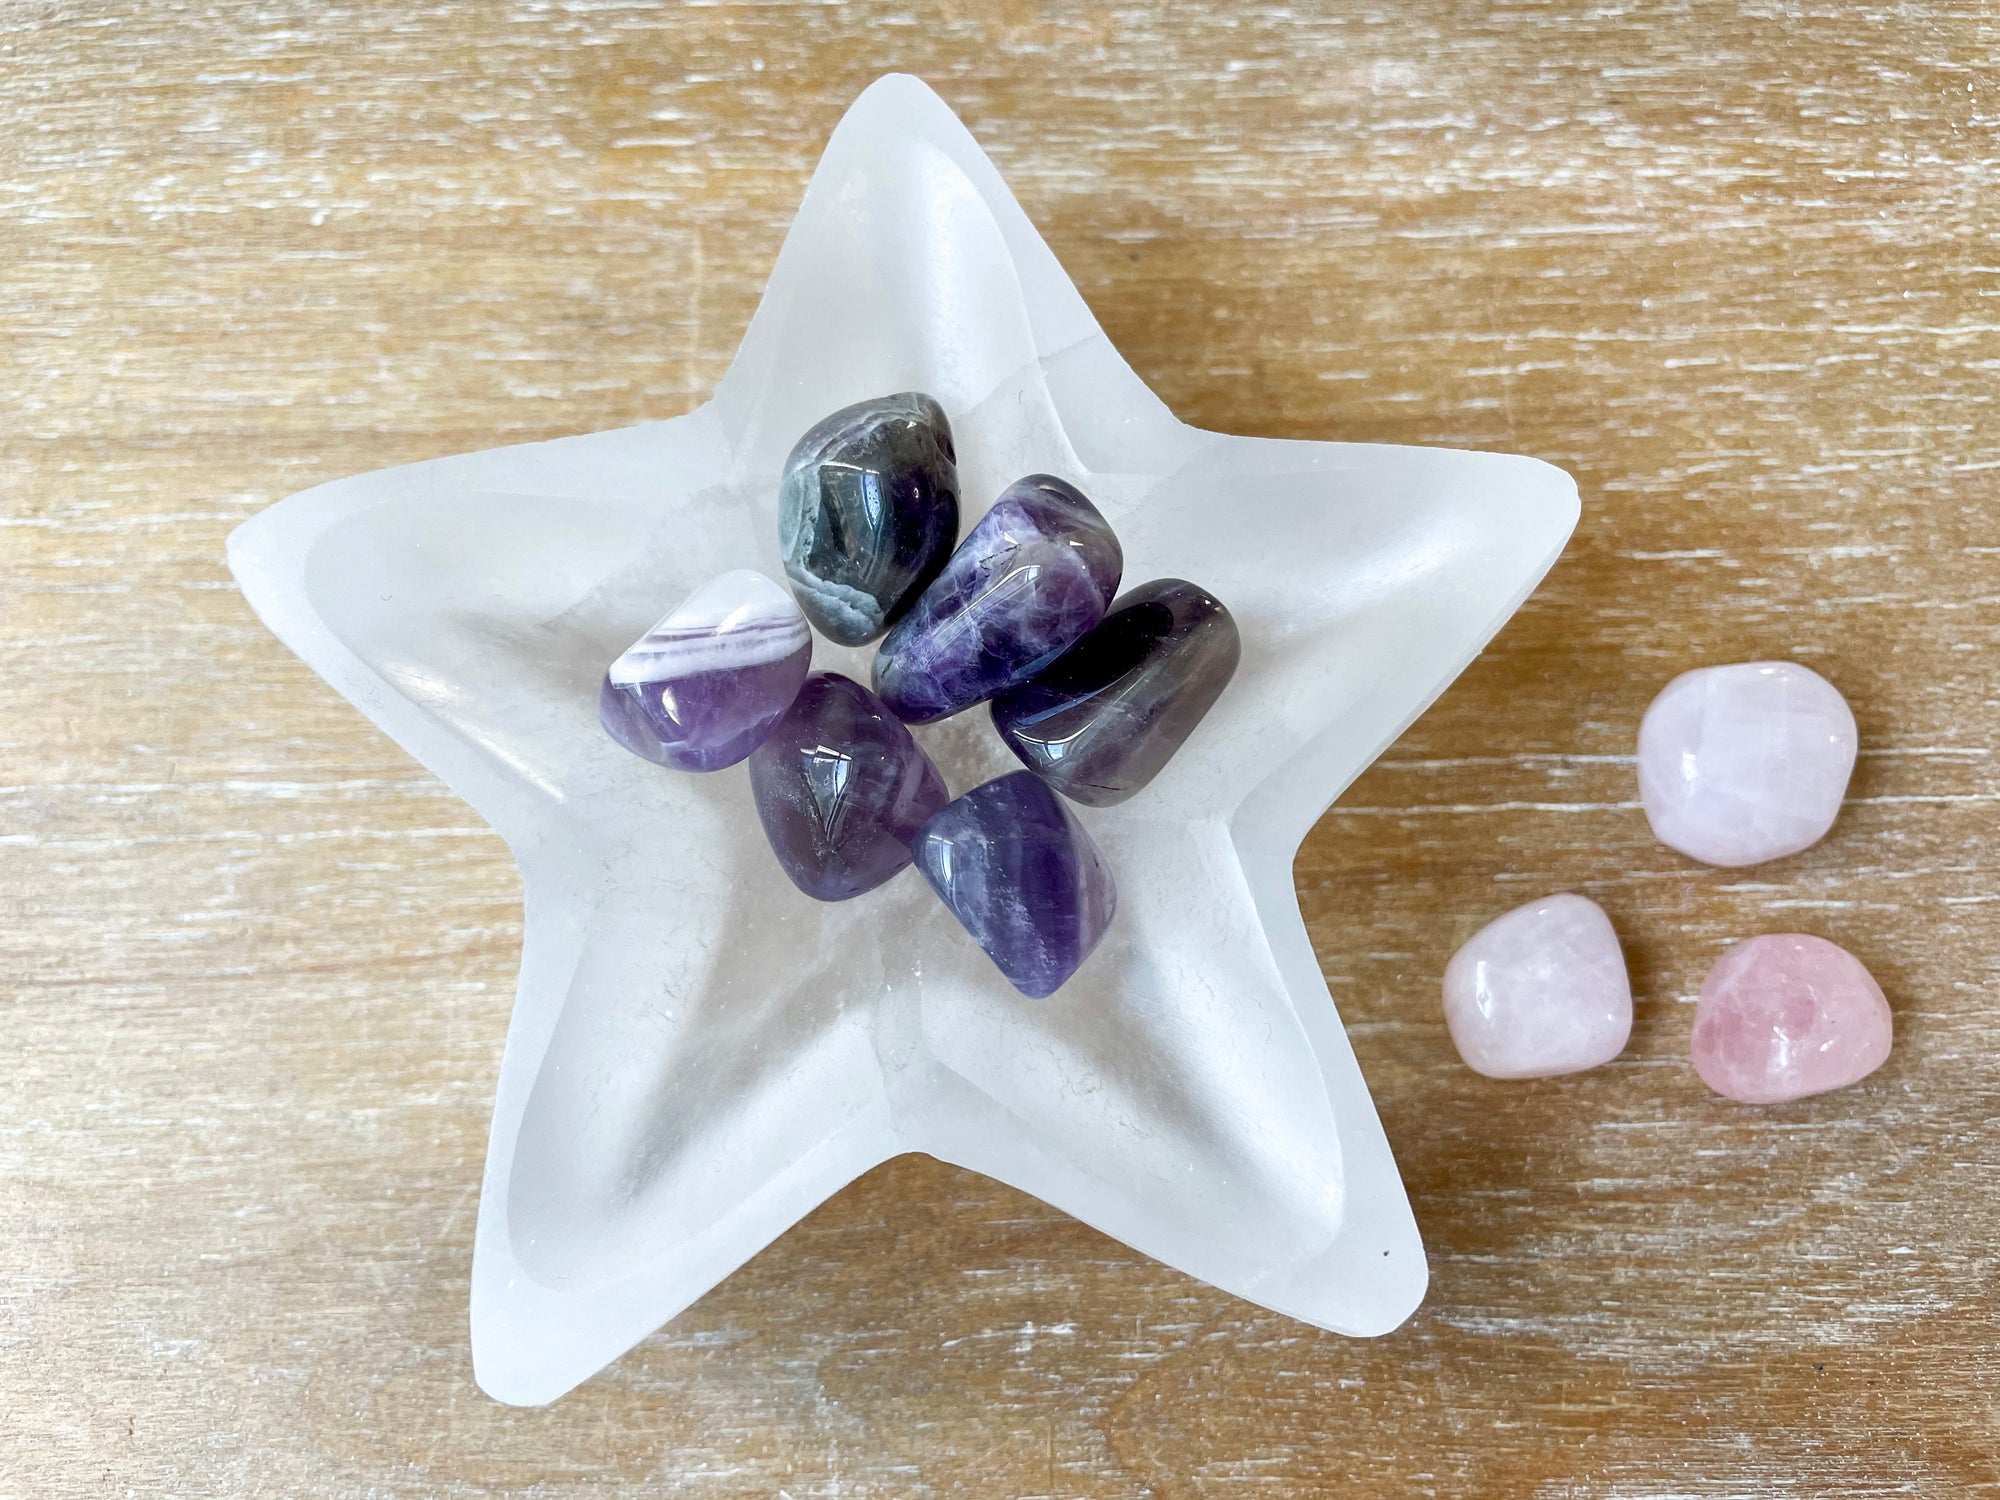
<point x="1744" y="763"/>
<point x="1540" y="991"/>
<point x="699" y="1054"/>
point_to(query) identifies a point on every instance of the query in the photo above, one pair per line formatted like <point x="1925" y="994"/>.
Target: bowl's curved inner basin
<point x="720" y="1027"/>
<point x="721" y="1024"/>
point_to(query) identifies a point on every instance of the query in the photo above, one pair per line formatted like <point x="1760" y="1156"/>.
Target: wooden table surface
<point x="1737" y="271"/>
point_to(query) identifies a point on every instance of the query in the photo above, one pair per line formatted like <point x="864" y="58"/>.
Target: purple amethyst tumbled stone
<point x="701" y="689"/>
<point x="1017" y="869"/>
<point x="1102" y="719"/>
<point x="1036" y="572"/>
<point x="842" y="789"/>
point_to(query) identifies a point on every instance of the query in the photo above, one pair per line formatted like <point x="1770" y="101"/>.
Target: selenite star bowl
<point x="699" y="1054"/>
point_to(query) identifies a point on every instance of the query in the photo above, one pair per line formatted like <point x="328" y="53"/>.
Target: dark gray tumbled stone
<point x="1102" y="719"/>
<point x="868" y="513"/>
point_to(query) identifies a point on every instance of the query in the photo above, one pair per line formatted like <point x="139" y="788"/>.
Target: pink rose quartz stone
<point x="1787" y="1015"/>
<point x="1540" y="991"/>
<point x="1745" y="763"/>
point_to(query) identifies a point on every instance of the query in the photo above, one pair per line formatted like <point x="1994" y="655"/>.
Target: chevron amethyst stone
<point x="1019" y="872"/>
<point x="868" y="513"/>
<point x="701" y="689"/>
<point x="1102" y="719"/>
<point x="1036" y="572"/>
<point x="841" y="789"/>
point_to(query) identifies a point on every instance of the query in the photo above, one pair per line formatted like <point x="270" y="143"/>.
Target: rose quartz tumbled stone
<point x="1745" y="763"/>
<point x="1539" y="991"/>
<point x="1787" y="1015"/>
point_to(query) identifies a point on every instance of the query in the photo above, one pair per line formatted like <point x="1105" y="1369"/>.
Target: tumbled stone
<point x="1540" y="991"/>
<point x="1787" y="1015"/>
<point x="702" y="688"/>
<point x="842" y="789"/>
<point x="1036" y="572"/>
<point x="868" y="513"/>
<point x="1744" y="763"/>
<point x="1102" y="719"/>
<point x="1018" y="871"/>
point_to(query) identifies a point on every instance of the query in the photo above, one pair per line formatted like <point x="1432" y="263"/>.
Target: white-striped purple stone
<point x="702" y="689"/>
<point x="1036" y="573"/>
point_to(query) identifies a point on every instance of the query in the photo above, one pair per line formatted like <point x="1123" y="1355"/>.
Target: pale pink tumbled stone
<point x="1539" y="991"/>
<point x="1745" y="763"/>
<point x="1787" y="1015"/>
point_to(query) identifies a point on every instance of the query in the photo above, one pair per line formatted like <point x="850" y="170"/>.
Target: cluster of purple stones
<point x="1093" y="692"/>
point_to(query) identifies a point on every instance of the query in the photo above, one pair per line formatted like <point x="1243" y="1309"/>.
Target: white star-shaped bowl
<point x="699" y="1054"/>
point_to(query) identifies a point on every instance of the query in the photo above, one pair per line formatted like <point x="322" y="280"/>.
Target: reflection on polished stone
<point x="868" y="513"/>
<point x="841" y="789"/>
<point x="1102" y="719"/>
<point x="701" y="689"/>
<point x="1017" y="869"/>
<point x="1038" y="570"/>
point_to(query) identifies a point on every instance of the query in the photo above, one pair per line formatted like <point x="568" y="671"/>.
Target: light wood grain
<point x="1734" y="266"/>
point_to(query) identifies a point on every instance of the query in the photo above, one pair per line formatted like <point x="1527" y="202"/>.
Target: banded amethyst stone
<point x="868" y="512"/>
<point x="842" y="789"/>
<point x="701" y="689"/>
<point x="1102" y="719"/>
<point x="1036" y="572"/>
<point x="1017" y="869"/>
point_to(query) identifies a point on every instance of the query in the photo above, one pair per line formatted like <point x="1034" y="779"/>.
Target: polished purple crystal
<point x="1036" y="572"/>
<point x="701" y="689"/>
<point x="1017" y="869"/>
<point x="1102" y="719"/>
<point x="841" y="789"/>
